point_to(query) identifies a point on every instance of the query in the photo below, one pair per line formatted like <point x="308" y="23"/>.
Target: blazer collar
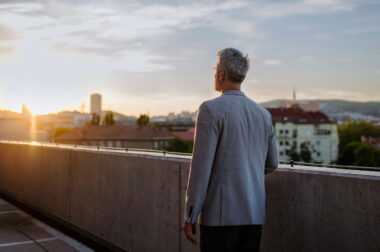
<point x="233" y="92"/>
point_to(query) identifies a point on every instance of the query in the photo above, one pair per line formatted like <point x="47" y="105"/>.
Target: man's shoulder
<point x="220" y="105"/>
<point x="258" y="107"/>
<point x="218" y="102"/>
<point x="211" y="106"/>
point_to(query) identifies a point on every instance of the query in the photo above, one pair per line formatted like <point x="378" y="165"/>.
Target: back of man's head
<point x="234" y="63"/>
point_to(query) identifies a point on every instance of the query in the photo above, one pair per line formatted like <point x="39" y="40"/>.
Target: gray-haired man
<point x="234" y="148"/>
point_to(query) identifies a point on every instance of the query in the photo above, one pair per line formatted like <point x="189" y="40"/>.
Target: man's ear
<point x="222" y="75"/>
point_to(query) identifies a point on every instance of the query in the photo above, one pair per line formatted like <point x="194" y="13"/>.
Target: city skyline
<point x="54" y="54"/>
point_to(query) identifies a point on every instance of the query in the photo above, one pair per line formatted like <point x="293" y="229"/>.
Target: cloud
<point x="7" y="36"/>
<point x="272" y="62"/>
<point x="254" y="81"/>
<point x="362" y="30"/>
<point x="110" y="28"/>
<point x="7" y="33"/>
<point x="333" y="94"/>
<point x="305" y="58"/>
<point x="6" y="50"/>
<point x="42" y="27"/>
<point x="171" y="44"/>
<point x="305" y="7"/>
<point x="322" y="37"/>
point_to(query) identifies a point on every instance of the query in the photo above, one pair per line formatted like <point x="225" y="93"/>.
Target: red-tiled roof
<point x="116" y="132"/>
<point x="297" y="115"/>
<point x="374" y="142"/>
<point x="185" y="135"/>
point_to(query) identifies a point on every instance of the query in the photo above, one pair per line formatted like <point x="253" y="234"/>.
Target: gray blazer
<point x="234" y="146"/>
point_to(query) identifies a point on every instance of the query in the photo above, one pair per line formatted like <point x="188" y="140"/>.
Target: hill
<point x="339" y="107"/>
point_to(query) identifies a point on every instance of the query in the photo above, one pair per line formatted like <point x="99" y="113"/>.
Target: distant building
<point x="171" y="116"/>
<point x="158" y="119"/>
<point x="374" y="142"/>
<point x="13" y="129"/>
<point x="144" y="137"/>
<point x="96" y="103"/>
<point x="64" y="119"/>
<point x="185" y="135"/>
<point x="305" y="105"/>
<point x="294" y="126"/>
<point x="15" y="126"/>
<point x="26" y="111"/>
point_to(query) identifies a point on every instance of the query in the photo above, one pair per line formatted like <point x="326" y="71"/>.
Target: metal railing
<point x="97" y="147"/>
<point x="164" y="153"/>
<point x="347" y="167"/>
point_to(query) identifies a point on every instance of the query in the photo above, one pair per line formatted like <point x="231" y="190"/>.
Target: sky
<point x="159" y="56"/>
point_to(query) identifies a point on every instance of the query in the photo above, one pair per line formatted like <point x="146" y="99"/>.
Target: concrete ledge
<point x="331" y="172"/>
<point x="136" y="200"/>
<point x="322" y="209"/>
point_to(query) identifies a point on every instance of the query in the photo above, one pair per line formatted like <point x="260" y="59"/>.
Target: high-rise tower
<point x="96" y="103"/>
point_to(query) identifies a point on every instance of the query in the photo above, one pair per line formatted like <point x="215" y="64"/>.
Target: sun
<point x="39" y="108"/>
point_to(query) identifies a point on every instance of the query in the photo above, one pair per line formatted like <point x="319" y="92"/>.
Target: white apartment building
<point x="294" y="126"/>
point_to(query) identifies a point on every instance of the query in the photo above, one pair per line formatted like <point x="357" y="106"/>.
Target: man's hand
<point x="190" y="228"/>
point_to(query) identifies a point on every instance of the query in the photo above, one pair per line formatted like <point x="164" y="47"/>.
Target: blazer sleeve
<point x="271" y="162"/>
<point x="205" y="143"/>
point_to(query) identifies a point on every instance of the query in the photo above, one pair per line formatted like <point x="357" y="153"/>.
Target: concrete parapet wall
<point x="136" y="201"/>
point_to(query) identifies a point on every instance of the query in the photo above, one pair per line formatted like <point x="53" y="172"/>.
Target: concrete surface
<point x="322" y="209"/>
<point x="19" y="232"/>
<point x="136" y="201"/>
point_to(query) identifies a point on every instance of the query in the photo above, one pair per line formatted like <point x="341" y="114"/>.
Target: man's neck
<point x="232" y="87"/>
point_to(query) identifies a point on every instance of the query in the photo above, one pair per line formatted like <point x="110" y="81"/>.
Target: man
<point x="234" y="148"/>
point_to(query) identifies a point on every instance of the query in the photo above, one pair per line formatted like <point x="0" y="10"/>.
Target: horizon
<point x="157" y="115"/>
<point x="54" y="54"/>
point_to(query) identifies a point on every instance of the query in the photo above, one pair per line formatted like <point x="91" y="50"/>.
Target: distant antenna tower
<point x="294" y="94"/>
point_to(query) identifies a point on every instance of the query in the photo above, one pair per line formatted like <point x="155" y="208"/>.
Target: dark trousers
<point x="240" y="238"/>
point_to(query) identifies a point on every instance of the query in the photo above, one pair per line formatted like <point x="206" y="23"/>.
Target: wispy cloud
<point x="322" y="37"/>
<point x="7" y="37"/>
<point x="305" y="58"/>
<point x="7" y="33"/>
<point x="159" y="47"/>
<point x="305" y="7"/>
<point x="362" y="30"/>
<point x="114" y="27"/>
<point x="7" y="50"/>
<point x="272" y="62"/>
<point x="333" y="94"/>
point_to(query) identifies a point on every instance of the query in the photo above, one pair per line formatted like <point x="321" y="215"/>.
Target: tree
<point x="359" y="154"/>
<point x="351" y="150"/>
<point x="365" y="155"/>
<point x="292" y="153"/>
<point x="143" y="120"/>
<point x="305" y="154"/>
<point x="95" y="119"/>
<point x="347" y="154"/>
<point x="353" y="131"/>
<point x="177" y="144"/>
<point x="108" y="119"/>
<point x="377" y="158"/>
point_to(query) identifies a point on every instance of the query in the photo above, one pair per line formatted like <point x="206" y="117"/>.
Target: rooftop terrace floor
<point x="21" y="232"/>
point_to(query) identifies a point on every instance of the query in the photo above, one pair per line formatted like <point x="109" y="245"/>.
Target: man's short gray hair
<point x="234" y="63"/>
